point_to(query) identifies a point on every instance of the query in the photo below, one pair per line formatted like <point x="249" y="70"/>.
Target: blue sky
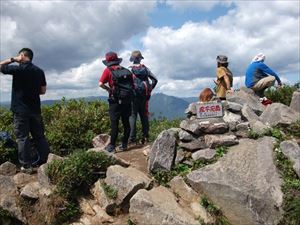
<point x="179" y="40"/>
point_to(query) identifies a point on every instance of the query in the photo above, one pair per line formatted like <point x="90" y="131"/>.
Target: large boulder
<point x="292" y="151"/>
<point x="185" y="136"/>
<point x="295" y="103"/>
<point x="249" y="114"/>
<point x="204" y="154"/>
<point x="244" y="183"/>
<point x="207" y="127"/>
<point x="279" y="114"/>
<point x="247" y="96"/>
<point x="163" y="152"/>
<point x="191" y="126"/>
<point x="9" y="198"/>
<point x="127" y="181"/>
<point x="158" y="206"/>
<point x="101" y="140"/>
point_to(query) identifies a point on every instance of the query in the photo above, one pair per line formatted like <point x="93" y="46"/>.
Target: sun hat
<point x="222" y="59"/>
<point x="260" y="57"/>
<point x="135" y="55"/>
<point x="111" y="58"/>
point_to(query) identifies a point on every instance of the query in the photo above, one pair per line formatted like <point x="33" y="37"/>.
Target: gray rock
<point x="243" y="130"/>
<point x="21" y="179"/>
<point x="295" y="103"/>
<point x="258" y="127"/>
<point x="230" y="117"/>
<point x="213" y="128"/>
<point x="279" y="114"/>
<point x="191" y="110"/>
<point x="101" y="140"/>
<point x="185" y="136"/>
<point x="158" y="206"/>
<point x="246" y="179"/>
<point x="31" y="191"/>
<point x="108" y="204"/>
<point x="162" y="154"/>
<point x="249" y="114"/>
<point x="180" y="155"/>
<point x="234" y="107"/>
<point x="247" y="96"/>
<point x="127" y="181"/>
<point x="43" y="178"/>
<point x="8" y="169"/>
<point x="191" y="126"/>
<point x="216" y="140"/>
<point x="205" y="154"/>
<point x="9" y="198"/>
<point x="196" y="144"/>
<point x="292" y="151"/>
<point x="52" y="157"/>
<point x="179" y="187"/>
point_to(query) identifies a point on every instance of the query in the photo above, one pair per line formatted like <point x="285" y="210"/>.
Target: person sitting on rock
<point x="206" y="95"/>
<point x="224" y="77"/>
<point x="259" y="76"/>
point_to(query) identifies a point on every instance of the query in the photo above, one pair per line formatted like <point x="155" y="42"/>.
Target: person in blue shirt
<point x="259" y="76"/>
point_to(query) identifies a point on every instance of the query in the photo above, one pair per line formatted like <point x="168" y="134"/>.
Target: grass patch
<point x="214" y="210"/>
<point x="73" y="177"/>
<point x="109" y="191"/>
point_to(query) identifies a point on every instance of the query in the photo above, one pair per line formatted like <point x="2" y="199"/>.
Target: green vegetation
<point x="283" y="94"/>
<point x="109" y="191"/>
<point x="8" y="154"/>
<point x="215" y="211"/>
<point x="73" y="176"/>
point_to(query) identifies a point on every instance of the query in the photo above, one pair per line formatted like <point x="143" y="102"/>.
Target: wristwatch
<point x="12" y="60"/>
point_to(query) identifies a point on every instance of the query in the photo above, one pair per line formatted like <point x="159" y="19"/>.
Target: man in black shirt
<point x="28" y="84"/>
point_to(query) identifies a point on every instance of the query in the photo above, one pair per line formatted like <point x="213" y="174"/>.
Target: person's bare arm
<point x="102" y="85"/>
<point x="43" y="90"/>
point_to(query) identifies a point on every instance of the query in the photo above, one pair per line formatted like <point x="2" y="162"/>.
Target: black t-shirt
<point x="26" y="86"/>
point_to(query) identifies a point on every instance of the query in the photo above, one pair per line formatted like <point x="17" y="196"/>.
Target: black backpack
<point x="122" y="84"/>
<point x="141" y="81"/>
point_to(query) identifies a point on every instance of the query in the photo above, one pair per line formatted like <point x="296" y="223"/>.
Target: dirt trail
<point x="135" y="156"/>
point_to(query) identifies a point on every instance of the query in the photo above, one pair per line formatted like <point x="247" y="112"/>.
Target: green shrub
<point x="72" y="124"/>
<point x="6" y="120"/>
<point x="8" y="154"/>
<point x="158" y="125"/>
<point x="79" y="170"/>
<point x="282" y="95"/>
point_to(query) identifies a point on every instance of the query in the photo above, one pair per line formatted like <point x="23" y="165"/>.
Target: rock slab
<point x="162" y="154"/>
<point x="158" y="206"/>
<point x="246" y="179"/>
<point x="292" y="151"/>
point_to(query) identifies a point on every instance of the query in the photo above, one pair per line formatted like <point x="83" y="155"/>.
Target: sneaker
<point x="265" y="101"/>
<point x="123" y="147"/>
<point x="132" y="143"/>
<point x="144" y="141"/>
<point x="26" y="169"/>
<point x="110" y="148"/>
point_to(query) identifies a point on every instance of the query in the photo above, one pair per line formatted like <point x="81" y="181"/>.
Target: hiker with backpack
<point x="143" y="87"/>
<point x="224" y="78"/>
<point x="259" y="76"/>
<point x="120" y="90"/>
<point x="28" y="84"/>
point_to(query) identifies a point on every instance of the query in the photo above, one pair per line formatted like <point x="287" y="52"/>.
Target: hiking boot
<point x="132" y="142"/>
<point x="110" y="148"/>
<point x="123" y="147"/>
<point x="26" y="169"/>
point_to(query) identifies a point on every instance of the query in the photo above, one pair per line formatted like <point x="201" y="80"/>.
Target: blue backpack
<point x="141" y="82"/>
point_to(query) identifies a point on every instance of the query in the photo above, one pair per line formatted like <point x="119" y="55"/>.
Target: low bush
<point x="282" y="95"/>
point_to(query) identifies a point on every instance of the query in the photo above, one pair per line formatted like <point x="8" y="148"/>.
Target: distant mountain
<point x="170" y="107"/>
<point x="160" y="105"/>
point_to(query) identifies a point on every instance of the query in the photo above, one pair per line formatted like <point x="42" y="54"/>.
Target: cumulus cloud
<point x="250" y="27"/>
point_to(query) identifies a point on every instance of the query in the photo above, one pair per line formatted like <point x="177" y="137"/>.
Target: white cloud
<point x="188" y="53"/>
<point x="201" y="5"/>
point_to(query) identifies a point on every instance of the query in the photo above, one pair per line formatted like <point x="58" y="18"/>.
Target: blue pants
<point x="23" y="125"/>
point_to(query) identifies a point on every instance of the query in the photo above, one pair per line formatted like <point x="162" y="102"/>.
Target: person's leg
<point x="132" y="120"/>
<point x="21" y="130"/>
<point x="126" y="111"/>
<point x="37" y="133"/>
<point x="144" y="115"/>
<point x="260" y="87"/>
<point x="114" y="115"/>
